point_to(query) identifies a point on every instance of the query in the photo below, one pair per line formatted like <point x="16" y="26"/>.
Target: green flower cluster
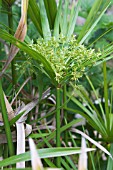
<point x="67" y="58"/>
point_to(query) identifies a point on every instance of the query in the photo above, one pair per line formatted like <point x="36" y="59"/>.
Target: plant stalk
<point x="10" y="23"/>
<point x="6" y="122"/>
<point x="0" y="3"/>
<point x="110" y="161"/>
<point x="106" y="93"/>
<point x="65" y="113"/>
<point x="58" y="143"/>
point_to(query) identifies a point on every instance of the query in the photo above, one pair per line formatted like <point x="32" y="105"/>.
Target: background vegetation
<point x="56" y="84"/>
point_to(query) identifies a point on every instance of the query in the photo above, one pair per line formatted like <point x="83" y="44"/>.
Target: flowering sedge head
<point x="67" y="57"/>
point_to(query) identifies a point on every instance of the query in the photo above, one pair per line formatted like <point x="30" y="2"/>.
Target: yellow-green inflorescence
<point x="67" y="57"/>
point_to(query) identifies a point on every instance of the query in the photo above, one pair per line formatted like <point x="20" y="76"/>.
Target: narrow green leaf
<point x="106" y="95"/>
<point x="93" y="118"/>
<point x="64" y="20"/>
<point x="34" y="13"/>
<point x="50" y="164"/>
<point x="100" y="105"/>
<point x="58" y="128"/>
<point x="57" y="20"/>
<point x="67" y="126"/>
<point x="35" y="55"/>
<point x="65" y="164"/>
<point x="70" y="162"/>
<point x="43" y="153"/>
<point x="44" y="21"/>
<point x="6" y="122"/>
<point x="101" y="61"/>
<point x="73" y="17"/>
<point x="51" y="9"/>
<point x="90" y="121"/>
<point x="91" y="15"/>
<point x="13" y="121"/>
<point x="87" y="98"/>
<point x="110" y="161"/>
<point x="102" y="35"/>
<point x="48" y="12"/>
<point x="92" y="19"/>
<point x="36" y="136"/>
<point x="89" y="30"/>
<point x="93" y="141"/>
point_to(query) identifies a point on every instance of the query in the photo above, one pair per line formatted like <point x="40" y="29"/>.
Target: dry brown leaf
<point x="26" y="109"/>
<point x="82" y="164"/>
<point x="19" y="34"/>
<point x="20" y="142"/>
<point x="9" y="110"/>
<point x="35" y="159"/>
<point x="28" y="130"/>
<point x="92" y="141"/>
<point x="25" y="82"/>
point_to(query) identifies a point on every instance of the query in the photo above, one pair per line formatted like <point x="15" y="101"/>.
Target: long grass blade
<point x="44" y="21"/>
<point x="89" y="20"/>
<point x="92" y="141"/>
<point x="106" y="95"/>
<point x="64" y="23"/>
<point x="73" y="17"/>
<point x="43" y="153"/>
<point x="67" y="126"/>
<point x="6" y="122"/>
<point x="95" y="122"/>
<point x="92" y="19"/>
<point x="58" y="131"/>
<point x="110" y="161"/>
<point x="93" y="25"/>
<point x="39" y="58"/>
<point x="97" y="99"/>
<point x="57" y="21"/>
<point x="51" y="9"/>
<point x="34" y="13"/>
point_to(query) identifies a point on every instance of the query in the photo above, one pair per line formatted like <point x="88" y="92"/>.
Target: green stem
<point x="1" y="150"/>
<point x="106" y="93"/>
<point x="110" y="160"/>
<point x="58" y="143"/>
<point x="0" y="3"/>
<point x="10" y="23"/>
<point x="6" y="122"/>
<point x="65" y="113"/>
<point x="5" y="153"/>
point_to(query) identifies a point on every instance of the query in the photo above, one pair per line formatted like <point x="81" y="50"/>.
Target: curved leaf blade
<point x="43" y="153"/>
<point x="34" y="54"/>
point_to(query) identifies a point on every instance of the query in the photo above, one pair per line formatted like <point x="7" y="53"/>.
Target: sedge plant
<point x="58" y="53"/>
<point x="100" y="119"/>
